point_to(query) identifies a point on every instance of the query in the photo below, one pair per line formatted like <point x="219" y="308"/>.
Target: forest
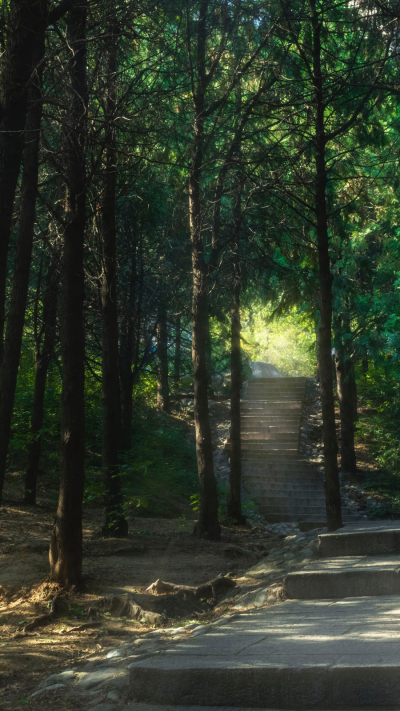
<point x="187" y="187"/>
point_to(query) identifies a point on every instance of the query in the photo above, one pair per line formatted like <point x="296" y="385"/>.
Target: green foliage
<point x="161" y="468"/>
<point x="379" y="426"/>
<point x="287" y="341"/>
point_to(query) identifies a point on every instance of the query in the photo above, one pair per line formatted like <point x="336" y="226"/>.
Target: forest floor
<point x="155" y="548"/>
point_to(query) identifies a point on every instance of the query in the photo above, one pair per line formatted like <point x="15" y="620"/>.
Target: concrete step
<point x="370" y="538"/>
<point x="290" y="499"/>
<point x="317" y="522"/>
<point x="277" y="398"/>
<point x="263" y="436"/>
<point x="266" y="445"/>
<point x="284" y="486"/>
<point x="291" y="508"/>
<point x="285" y="470"/>
<point x="261" y="446"/>
<point x="271" y="430"/>
<point x="271" y="421"/>
<point x="291" y="656"/>
<point x="350" y="576"/>
<point x="278" y="395"/>
<point x="268" y="463"/>
<point x="254" y="455"/>
<point x="289" y="488"/>
<point x="277" y="406"/>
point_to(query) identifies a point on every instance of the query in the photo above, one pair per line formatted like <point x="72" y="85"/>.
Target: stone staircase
<point x="333" y="644"/>
<point x="284" y="484"/>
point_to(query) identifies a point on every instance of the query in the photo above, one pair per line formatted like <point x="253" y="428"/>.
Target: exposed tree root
<point x="40" y="621"/>
<point x="214" y="588"/>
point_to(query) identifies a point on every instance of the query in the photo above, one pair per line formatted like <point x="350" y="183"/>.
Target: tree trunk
<point x="234" y="504"/>
<point x="177" y="355"/>
<point x="16" y="316"/>
<point x="126" y="355"/>
<point x="207" y="524"/>
<point x="208" y="350"/>
<point x="42" y="360"/>
<point x="66" y="542"/>
<point x="345" y="397"/>
<point x="26" y="30"/>
<point x="353" y="384"/>
<point x="332" y="487"/>
<point x="163" y="399"/>
<point x="115" y="522"/>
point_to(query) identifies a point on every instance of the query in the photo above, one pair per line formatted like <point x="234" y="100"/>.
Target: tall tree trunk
<point x="42" y="360"/>
<point x="207" y="524"/>
<point x="354" y="397"/>
<point x="177" y="354"/>
<point x="163" y="399"/>
<point x="66" y="542"/>
<point x="126" y="356"/>
<point x="344" y="390"/>
<point x="16" y="316"/>
<point x="234" y="505"/>
<point x="332" y="486"/>
<point x="115" y="522"/>
<point x="26" y="30"/>
<point x="208" y="349"/>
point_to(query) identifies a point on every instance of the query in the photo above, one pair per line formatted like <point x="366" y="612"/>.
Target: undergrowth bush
<point x="379" y="428"/>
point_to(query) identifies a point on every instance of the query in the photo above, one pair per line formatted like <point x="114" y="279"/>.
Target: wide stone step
<point x="269" y="463"/>
<point x="273" y="485"/>
<point x="288" y="507"/>
<point x="261" y="446"/>
<point x="270" y="437"/>
<point x="318" y="521"/>
<point x="257" y="396"/>
<point x="277" y="486"/>
<point x="259" y="469"/>
<point x="314" y="522"/>
<point x="264" y="404"/>
<point x="270" y="421"/>
<point x="296" y="502"/>
<point x="267" y="428"/>
<point x="286" y="479"/>
<point x="350" y="576"/>
<point x="292" y="656"/>
<point x="254" y="455"/>
<point x="370" y="538"/>
<point x="276" y="396"/>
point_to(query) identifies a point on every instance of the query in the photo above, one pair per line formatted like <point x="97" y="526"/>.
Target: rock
<point x="260" y="598"/>
<point x="113" y="695"/>
<point x="307" y="553"/>
<point x="92" y="679"/>
<point x="119" y="683"/>
<point x="48" y="688"/>
<point x="190" y="628"/>
<point x="104" y="707"/>
<point x="114" y="653"/>
<point x="61" y="678"/>
<point x="201" y="629"/>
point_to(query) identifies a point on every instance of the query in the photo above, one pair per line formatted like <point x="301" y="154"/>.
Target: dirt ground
<point x="155" y="548"/>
